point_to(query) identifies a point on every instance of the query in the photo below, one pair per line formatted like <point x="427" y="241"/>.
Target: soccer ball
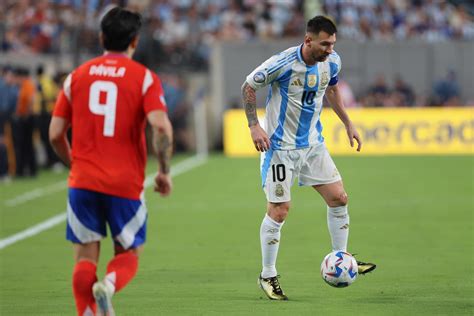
<point x="339" y="269"/>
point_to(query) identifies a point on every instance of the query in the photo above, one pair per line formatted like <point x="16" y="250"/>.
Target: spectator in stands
<point x="24" y="125"/>
<point x="446" y="91"/>
<point x="378" y="92"/>
<point x="406" y="94"/>
<point x="178" y="109"/>
<point x="44" y="103"/>
<point x="8" y="101"/>
<point x="3" y="118"/>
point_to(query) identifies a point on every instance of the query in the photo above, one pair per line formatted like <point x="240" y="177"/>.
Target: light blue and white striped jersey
<point x="295" y="100"/>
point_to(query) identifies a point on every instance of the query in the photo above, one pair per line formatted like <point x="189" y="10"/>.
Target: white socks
<point x="338" y="225"/>
<point x="269" y="241"/>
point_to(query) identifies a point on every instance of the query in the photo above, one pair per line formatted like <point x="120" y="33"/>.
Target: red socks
<point x="83" y="277"/>
<point x="121" y="270"/>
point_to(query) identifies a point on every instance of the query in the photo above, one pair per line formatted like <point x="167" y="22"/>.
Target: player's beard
<point x="321" y="57"/>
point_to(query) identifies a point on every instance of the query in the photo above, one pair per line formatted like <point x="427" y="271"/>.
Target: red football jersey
<point x="106" y="100"/>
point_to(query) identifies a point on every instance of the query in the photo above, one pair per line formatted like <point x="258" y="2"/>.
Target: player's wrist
<point x="164" y="172"/>
<point x="348" y="123"/>
<point x="253" y="123"/>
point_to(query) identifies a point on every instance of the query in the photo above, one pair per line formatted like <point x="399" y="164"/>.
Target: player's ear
<point x="134" y="42"/>
<point x="308" y="39"/>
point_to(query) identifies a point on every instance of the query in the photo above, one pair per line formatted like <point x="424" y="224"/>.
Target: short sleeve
<point x="335" y="67"/>
<point x="153" y="96"/>
<point x="270" y="70"/>
<point x="62" y="108"/>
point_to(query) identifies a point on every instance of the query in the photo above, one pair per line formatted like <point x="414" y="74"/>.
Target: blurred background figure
<point x="378" y="93"/>
<point x="446" y="91"/>
<point x="44" y="104"/>
<point x="3" y="120"/>
<point x="405" y="94"/>
<point x="23" y="124"/>
<point x="8" y="101"/>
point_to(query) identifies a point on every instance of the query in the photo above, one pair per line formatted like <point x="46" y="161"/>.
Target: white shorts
<point x="279" y="168"/>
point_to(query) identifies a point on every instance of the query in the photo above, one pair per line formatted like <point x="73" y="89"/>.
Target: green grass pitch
<point x="413" y="216"/>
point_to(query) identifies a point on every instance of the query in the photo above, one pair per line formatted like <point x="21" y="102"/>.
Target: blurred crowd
<point x="444" y="92"/>
<point x="427" y="20"/>
<point x="182" y="31"/>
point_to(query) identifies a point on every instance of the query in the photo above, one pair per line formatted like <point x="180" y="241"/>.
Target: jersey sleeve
<point x="267" y="72"/>
<point x="335" y="67"/>
<point x="153" y="96"/>
<point x="63" y="108"/>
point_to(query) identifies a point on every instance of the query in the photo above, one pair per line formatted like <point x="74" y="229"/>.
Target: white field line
<point x="179" y="168"/>
<point x="36" y="193"/>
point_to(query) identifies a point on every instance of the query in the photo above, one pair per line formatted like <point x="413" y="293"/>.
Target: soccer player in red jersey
<point x="107" y="102"/>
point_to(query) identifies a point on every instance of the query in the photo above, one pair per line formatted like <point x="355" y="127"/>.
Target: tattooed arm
<point x="250" y="104"/>
<point x="258" y="134"/>
<point x="163" y="146"/>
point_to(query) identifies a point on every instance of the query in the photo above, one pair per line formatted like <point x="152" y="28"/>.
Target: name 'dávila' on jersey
<point x="107" y="71"/>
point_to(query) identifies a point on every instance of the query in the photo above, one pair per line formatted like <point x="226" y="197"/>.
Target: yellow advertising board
<point x="386" y="131"/>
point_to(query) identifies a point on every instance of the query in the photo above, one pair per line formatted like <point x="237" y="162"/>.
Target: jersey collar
<point x="299" y="54"/>
<point x="300" y="58"/>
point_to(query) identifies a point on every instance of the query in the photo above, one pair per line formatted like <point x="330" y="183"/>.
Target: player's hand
<point x="163" y="184"/>
<point x="260" y="138"/>
<point x="353" y="134"/>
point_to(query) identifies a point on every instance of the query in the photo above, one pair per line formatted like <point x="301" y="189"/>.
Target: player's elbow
<point x="56" y="131"/>
<point x="54" y="138"/>
<point x="242" y="88"/>
<point x="246" y="89"/>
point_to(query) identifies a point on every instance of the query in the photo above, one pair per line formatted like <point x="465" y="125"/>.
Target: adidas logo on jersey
<point x="297" y="83"/>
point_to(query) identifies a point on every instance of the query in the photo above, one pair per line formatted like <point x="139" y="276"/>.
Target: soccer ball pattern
<point x="339" y="269"/>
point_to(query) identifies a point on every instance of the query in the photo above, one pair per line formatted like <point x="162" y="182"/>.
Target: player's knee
<point x="339" y="199"/>
<point x="279" y="211"/>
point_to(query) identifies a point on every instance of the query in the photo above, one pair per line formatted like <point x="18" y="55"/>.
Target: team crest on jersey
<point x="324" y="79"/>
<point x="311" y="80"/>
<point x="279" y="190"/>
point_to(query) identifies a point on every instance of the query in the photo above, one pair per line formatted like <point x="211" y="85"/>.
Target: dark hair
<point x="21" y="71"/>
<point x="321" y="23"/>
<point x="119" y="27"/>
<point x="39" y="70"/>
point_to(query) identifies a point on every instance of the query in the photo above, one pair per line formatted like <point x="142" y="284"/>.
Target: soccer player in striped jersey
<point x="291" y="141"/>
<point x="107" y="102"/>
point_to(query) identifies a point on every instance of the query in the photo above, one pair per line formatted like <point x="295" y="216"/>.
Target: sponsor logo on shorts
<point x="279" y="190"/>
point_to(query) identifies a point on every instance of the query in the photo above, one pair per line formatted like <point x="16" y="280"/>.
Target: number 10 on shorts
<point x="278" y="172"/>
